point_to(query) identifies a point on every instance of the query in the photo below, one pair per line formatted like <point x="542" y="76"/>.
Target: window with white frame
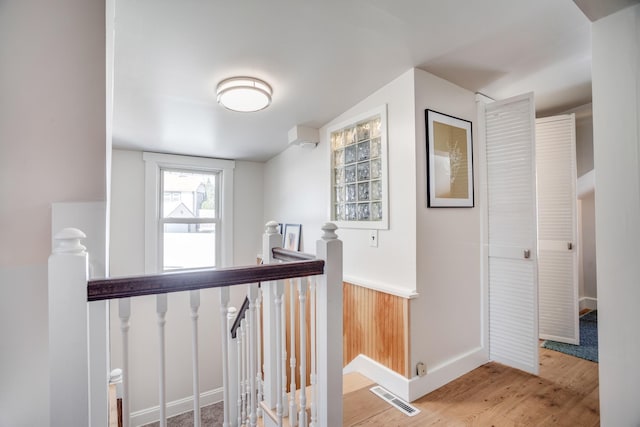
<point x="188" y="212"/>
<point x="359" y="171"/>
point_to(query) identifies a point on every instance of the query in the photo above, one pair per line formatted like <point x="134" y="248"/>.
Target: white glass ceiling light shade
<point x="244" y="94"/>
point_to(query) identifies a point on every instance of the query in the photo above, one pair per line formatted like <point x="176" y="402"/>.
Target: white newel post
<point x="69" y="364"/>
<point x="329" y="329"/>
<point x="271" y="239"/>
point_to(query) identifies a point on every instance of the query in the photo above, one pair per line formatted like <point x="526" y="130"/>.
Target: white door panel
<point x="557" y="229"/>
<point x="512" y="232"/>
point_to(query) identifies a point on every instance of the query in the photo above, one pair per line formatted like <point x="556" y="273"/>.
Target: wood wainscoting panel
<point x="376" y="324"/>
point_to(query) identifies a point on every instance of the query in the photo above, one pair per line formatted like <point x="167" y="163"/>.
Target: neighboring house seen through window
<point x="188" y="210"/>
<point x="189" y="218"/>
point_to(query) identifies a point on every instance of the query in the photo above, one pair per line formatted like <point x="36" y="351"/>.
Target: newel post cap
<point x="67" y="241"/>
<point x="271" y="228"/>
<point x="115" y="376"/>
<point x="329" y="231"/>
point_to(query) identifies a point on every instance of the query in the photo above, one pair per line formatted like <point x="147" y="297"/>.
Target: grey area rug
<point x="588" y="348"/>
<point x="211" y="415"/>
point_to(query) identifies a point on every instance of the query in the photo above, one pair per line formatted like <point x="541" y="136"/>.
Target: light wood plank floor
<point x="565" y="394"/>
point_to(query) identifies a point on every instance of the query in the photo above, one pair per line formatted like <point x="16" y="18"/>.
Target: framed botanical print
<point x="449" y="161"/>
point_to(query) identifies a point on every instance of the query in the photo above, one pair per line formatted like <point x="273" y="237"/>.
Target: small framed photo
<point x="449" y="161"/>
<point x="292" y="237"/>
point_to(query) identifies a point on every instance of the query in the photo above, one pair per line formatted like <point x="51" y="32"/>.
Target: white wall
<point x="616" y="120"/>
<point x="127" y="258"/>
<point x="297" y="188"/>
<point x="296" y="191"/>
<point x="446" y="318"/>
<point x="52" y="149"/>
<point x="588" y="277"/>
<point x="584" y="163"/>
<point x="584" y="138"/>
<point x="435" y="252"/>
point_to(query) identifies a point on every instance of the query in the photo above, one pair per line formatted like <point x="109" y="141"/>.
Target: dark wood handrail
<point x="122" y="287"/>
<point x="239" y="316"/>
<point x="287" y="255"/>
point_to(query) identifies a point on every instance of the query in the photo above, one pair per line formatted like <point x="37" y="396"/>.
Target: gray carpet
<point x="588" y="348"/>
<point x="211" y="415"/>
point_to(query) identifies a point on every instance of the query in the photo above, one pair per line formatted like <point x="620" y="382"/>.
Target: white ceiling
<point x="322" y="57"/>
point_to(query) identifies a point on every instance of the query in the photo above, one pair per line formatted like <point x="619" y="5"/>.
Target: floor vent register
<point x="395" y="401"/>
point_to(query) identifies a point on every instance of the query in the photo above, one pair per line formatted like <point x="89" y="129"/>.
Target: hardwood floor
<point x="565" y="394"/>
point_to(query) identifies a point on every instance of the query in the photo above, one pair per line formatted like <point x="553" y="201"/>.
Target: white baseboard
<point x="588" y="302"/>
<point x="446" y="372"/>
<point x="391" y="380"/>
<point x="416" y="387"/>
<point x="176" y="407"/>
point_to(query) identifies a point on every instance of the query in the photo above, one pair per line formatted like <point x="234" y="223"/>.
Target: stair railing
<point x="260" y="388"/>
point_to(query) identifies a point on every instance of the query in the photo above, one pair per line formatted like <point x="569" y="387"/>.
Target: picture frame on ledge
<point x="291" y="239"/>
<point x="449" y="161"/>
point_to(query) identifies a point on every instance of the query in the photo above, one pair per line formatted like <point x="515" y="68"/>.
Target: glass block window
<point x="358" y="153"/>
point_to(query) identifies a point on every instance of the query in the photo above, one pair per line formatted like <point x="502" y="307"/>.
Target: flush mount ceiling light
<point x="244" y="94"/>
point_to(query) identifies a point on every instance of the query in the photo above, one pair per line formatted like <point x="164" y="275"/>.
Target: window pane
<point x="363" y="151"/>
<point x="363" y="211"/>
<point x="189" y="194"/>
<point x="363" y="171"/>
<point x="350" y="154"/>
<point x="363" y="191"/>
<point x="189" y="246"/>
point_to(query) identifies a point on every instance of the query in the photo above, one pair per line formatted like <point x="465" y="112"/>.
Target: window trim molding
<point x="153" y="162"/>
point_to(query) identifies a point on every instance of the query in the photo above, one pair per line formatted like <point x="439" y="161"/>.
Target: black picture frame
<point x="291" y="237"/>
<point x="449" y="161"/>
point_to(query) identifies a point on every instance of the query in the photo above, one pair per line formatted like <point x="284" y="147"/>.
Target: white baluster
<point x="224" y="308"/>
<point x="161" y="310"/>
<point x="312" y="328"/>
<point x="253" y="337"/>
<point x="302" y="291"/>
<point x="259" y="355"/>
<point x="243" y="368"/>
<point x="329" y="329"/>
<point x="231" y="395"/>
<point x="240" y="389"/>
<point x="279" y="290"/>
<point x="293" y="411"/>
<point x="195" y="306"/>
<point x="124" y="312"/>
<point x="285" y="398"/>
<point x="99" y="364"/>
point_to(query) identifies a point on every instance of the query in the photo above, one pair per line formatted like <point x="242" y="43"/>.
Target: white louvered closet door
<point x="557" y="229"/>
<point x="512" y="235"/>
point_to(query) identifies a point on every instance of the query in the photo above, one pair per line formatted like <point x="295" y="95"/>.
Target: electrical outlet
<point x="421" y="369"/>
<point x="373" y="238"/>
